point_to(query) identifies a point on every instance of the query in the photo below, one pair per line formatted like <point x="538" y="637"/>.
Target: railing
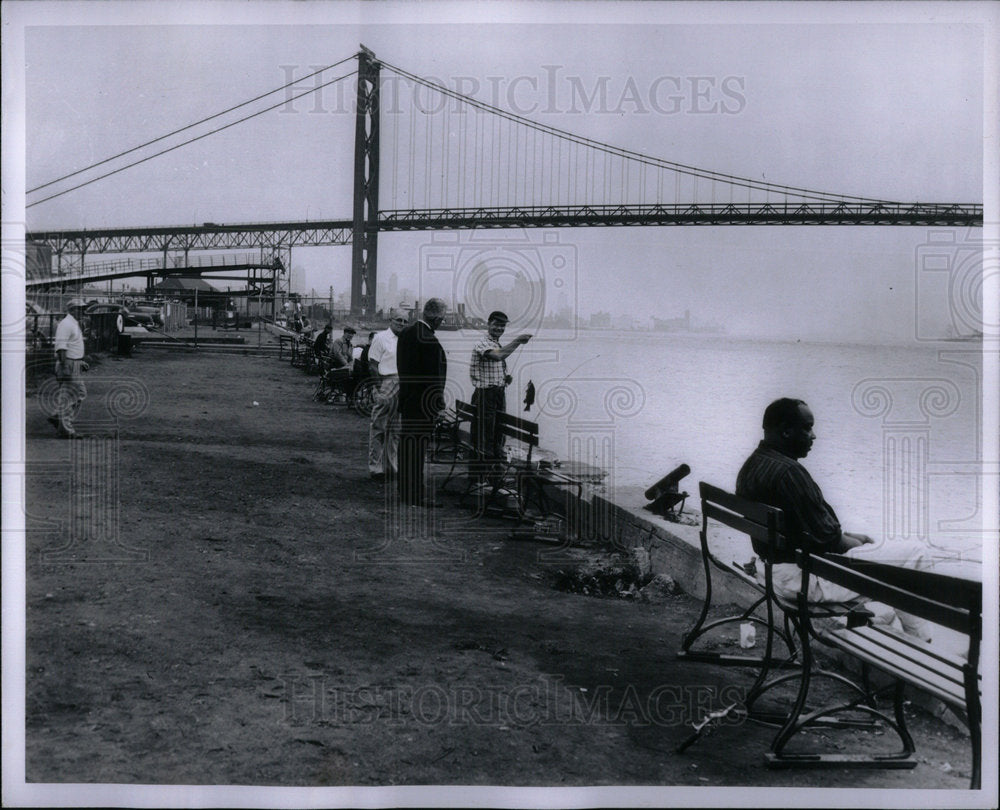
<point x="767" y="213"/>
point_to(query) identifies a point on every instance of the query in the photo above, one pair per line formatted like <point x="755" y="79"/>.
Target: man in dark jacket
<point x="320" y="343"/>
<point x="423" y="369"/>
<point x="773" y="475"/>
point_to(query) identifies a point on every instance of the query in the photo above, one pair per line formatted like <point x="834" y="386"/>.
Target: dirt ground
<point x="218" y="594"/>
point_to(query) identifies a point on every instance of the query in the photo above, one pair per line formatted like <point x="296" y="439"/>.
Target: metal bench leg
<point x="695" y="631"/>
<point x="799" y="719"/>
<point x="973" y="709"/>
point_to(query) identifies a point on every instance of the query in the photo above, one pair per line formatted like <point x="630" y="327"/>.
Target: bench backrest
<point x="514" y="427"/>
<point x="464" y="412"/>
<point x="948" y="601"/>
<point x="760" y="522"/>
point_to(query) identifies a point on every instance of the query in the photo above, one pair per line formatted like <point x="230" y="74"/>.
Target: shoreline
<point x="244" y="579"/>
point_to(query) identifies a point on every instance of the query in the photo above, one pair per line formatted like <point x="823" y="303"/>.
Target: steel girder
<point x="961" y="215"/>
<point x="195" y="237"/>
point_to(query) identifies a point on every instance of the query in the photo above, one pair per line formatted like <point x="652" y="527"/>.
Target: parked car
<point x="129" y="319"/>
<point x="153" y="312"/>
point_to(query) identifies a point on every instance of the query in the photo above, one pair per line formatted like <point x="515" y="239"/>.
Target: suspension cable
<point x="189" y="126"/>
<point x="630" y="154"/>
<point x="192" y="140"/>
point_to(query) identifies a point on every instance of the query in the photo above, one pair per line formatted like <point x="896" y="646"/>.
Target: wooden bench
<point x="520" y="476"/>
<point x="760" y="524"/>
<point x="491" y="478"/>
<point x="942" y="600"/>
<point x="769" y="611"/>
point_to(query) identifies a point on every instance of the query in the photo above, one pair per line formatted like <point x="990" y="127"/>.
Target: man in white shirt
<point x="69" y="350"/>
<point x="383" y="436"/>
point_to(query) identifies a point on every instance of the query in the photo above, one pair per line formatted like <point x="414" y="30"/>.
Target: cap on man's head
<point x="76" y="302"/>
<point x="350" y="330"/>
<point x="498" y="316"/>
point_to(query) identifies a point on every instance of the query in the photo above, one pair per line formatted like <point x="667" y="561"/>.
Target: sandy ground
<point x="218" y="594"/>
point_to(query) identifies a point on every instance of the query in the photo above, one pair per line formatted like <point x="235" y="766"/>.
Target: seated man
<point x="342" y="360"/>
<point x="772" y="475"/>
<point x="320" y="343"/>
<point x="340" y="349"/>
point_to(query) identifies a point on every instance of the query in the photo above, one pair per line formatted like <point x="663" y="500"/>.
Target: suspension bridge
<point x="448" y="161"/>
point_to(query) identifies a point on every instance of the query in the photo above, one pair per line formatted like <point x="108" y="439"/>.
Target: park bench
<point x="954" y="679"/>
<point x="844" y="626"/>
<point x="518" y="475"/>
<point x="768" y="611"/>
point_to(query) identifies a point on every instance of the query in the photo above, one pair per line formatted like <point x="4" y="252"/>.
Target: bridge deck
<point x="339" y="232"/>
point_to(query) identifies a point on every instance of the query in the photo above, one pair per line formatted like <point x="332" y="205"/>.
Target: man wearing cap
<point x="488" y="370"/>
<point x="383" y="437"/>
<point x="69" y="363"/>
<point x="340" y="349"/>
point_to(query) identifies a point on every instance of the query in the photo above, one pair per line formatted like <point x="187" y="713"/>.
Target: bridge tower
<point x="365" y="238"/>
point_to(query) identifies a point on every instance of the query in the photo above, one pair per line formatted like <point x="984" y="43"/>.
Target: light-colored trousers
<point x="72" y="392"/>
<point x="383" y="435"/>
<point x="787" y="579"/>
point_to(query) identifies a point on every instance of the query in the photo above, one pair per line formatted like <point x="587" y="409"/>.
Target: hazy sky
<point x="881" y="100"/>
<point x="890" y="107"/>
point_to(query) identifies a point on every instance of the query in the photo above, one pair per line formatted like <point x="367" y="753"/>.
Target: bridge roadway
<point x="797" y="213"/>
<point x="275" y="235"/>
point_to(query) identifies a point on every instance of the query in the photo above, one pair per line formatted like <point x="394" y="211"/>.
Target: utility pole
<point x="365" y="227"/>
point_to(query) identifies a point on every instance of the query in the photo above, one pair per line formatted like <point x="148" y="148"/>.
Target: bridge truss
<point x="455" y="162"/>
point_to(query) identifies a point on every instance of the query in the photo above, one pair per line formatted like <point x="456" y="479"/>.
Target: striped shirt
<point x="486" y="373"/>
<point x="772" y="478"/>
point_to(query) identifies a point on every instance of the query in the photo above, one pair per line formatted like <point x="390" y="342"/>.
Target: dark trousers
<point x="487" y="437"/>
<point x="414" y="439"/>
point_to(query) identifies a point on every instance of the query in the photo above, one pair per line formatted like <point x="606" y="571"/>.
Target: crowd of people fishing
<point x="397" y="378"/>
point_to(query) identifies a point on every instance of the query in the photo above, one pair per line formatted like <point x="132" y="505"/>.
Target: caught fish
<point x="529" y="396"/>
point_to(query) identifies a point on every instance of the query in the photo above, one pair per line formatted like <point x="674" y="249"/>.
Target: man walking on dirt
<point x="383" y="436"/>
<point x="69" y="350"/>
<point x="423" y="369"/>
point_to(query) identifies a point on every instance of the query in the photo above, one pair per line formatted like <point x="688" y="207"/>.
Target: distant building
<point x="562" y="318"/>
<point x="600" y="320"/>
<point x="673" y="324"/>
<point x="183" y="289"/>
<point x="625" y="322"/>
<point x="521" y="298"/>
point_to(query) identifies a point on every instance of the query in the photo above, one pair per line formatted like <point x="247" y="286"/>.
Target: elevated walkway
<point x="176" y="266"/>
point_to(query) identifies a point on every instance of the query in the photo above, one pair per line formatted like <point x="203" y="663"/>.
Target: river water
<point x="898" y="428"/>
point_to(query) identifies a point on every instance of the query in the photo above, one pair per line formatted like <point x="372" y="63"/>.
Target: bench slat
<point x="839" y="573"/>
<point x="902" y="661"/>
<point x="752" y="528"/>
<point x="950" y="590"/>
<point x="464" y="411"/>
<point x="519" y="429"/>
<point x="758" y="512"/>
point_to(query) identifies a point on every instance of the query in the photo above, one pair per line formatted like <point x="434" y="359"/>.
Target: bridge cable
<point x="189" y="126"/>
<point x="192" y="140"/>
<point x="632" y="155"/>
